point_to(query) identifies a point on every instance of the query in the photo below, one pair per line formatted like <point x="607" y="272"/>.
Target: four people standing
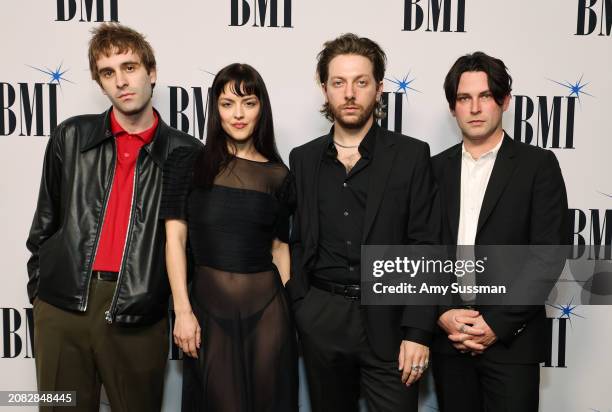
<point x="231" y="209"/>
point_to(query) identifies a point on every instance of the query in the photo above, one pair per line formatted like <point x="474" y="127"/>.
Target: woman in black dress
<point x="229" y="204"/>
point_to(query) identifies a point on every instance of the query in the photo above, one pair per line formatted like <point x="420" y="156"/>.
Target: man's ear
<point x="379" y="89"/>
<point x="506" y="102"/>
<point x="324" y="91"/>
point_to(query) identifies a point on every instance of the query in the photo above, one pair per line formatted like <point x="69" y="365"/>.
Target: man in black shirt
<point x="359" y="184"/>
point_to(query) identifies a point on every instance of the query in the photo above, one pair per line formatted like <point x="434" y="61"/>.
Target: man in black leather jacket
<point x="97" y="276"/>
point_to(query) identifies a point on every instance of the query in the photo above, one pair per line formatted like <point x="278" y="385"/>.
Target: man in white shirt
<point x="493" y="191"/>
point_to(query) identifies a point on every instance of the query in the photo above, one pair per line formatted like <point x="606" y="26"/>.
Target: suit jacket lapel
<point x="504" y="166"/>
<point x="452" y="183"/>
<point x="313" y="200"/>
<point x="382" y="163"/>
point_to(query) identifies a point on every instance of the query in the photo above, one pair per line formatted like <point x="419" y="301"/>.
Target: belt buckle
<point x="349" y="291"/>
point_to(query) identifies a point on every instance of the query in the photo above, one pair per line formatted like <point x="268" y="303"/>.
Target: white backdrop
<point x="551" y="52"/>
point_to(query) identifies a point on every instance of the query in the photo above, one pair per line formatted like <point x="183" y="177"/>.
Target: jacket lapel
<point x="381" y="167"/>
<point x="452" y="184"/>
<point x="504" y="166"/>
<point x="312" y="199"/>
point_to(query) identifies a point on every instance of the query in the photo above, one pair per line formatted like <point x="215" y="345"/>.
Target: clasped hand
<point x="467" y="330"/>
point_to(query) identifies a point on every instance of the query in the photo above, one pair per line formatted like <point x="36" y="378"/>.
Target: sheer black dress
<point x="248" y="358"/>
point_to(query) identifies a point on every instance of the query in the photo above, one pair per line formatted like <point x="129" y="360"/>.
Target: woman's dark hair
<point x="243" y="80"/>
<point x="500" y="81"/>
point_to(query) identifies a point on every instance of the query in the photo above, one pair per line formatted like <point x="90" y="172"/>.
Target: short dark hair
<point x="500" y="81"/>
<point x="108" y="37"/>
<point x="350" y="43"/>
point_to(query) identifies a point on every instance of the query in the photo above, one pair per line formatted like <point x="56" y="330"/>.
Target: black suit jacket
<point x="525" y="203"/>
<point x="399" y="210"/>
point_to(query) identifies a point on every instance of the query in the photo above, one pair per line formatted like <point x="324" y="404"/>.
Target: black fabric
<point x="342" y="205"/>
<point x="476" y="384"/>
<point x="248" y="357"/>
<point x="76" y="181"/>
<point x="400" y="209"/>
<point x="340" y="363"/>
<point x="525" y="203"/>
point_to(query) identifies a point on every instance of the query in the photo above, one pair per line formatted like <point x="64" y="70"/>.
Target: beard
<point x="354" y="121"/>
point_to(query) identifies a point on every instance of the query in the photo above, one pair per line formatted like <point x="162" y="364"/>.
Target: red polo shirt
<point x="119" y="206"/>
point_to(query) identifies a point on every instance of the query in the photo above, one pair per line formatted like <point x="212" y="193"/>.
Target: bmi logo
<point x="594" y="15"/>
<point x="557" y="343"/>
<point x="394" y="101"/>
<point x="592" y="226"/>
<point x="105" y="10"/>
<point x="440" y="15"/>
<point x="30" y="108"/>
<point x="548" y="121"/>
<point x="17" y="333"/>
<point x="261" y="13"/>
<point x="189" y="108"/>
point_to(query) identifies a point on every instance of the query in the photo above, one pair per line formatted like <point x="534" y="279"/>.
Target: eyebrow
<point x="247" y="97"/>
<point x="122" y="65"/>
<point x="359" y="76"/>
<point x="479" y="94"/>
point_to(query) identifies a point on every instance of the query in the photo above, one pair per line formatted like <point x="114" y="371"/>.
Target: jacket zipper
<point x="100" y="224"/>
<point x="110" y="313"/>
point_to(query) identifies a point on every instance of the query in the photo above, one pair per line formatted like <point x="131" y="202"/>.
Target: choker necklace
<point x="345" y="147"/>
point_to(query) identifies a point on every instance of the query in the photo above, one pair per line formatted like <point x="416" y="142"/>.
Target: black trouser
<point x="340" y="365"/>
<point x="476" y="384"/>
<point x="78" y="351"/>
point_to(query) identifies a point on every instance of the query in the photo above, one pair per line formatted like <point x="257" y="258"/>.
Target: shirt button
<point x="344" y="184"/>
<point x="351" y="269"/>
<point x="345" y="213"/>
<point x="348" y="242"/>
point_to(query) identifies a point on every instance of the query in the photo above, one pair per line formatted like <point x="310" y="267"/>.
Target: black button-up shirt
<point x="342" y="206"/>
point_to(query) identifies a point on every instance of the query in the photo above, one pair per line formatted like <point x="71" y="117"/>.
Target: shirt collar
<point x="491" y="153"/>
<point x="146" y="135"/>
<point x="366" y="147"/>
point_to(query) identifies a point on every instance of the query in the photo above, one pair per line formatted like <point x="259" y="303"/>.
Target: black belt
<point x="104" y="275"/>
<point x="348" y="291"/>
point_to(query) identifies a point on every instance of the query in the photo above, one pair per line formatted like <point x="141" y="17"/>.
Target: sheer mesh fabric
<point x="248" y="358"/>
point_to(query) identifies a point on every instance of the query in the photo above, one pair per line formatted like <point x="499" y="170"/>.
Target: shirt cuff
<point x="417" y="335"/>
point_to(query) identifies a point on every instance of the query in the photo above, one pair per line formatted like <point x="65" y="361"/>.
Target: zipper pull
<point x="108" y="317"/>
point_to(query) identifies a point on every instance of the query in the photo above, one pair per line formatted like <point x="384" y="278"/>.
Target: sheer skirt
<point x="248" y="357"/>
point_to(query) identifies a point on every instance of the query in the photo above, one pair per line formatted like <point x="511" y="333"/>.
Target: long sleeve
<point x="423" y="228"/>
<point x="47" y="218"/>
<point x="177" y="182"/>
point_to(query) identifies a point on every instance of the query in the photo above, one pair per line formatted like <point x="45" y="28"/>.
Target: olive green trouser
<point x="78" y="351"/>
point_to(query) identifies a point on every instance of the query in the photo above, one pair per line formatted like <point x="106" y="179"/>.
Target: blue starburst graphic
<point x="404" y="84"/>
<point x="567" y="311"/>
<point x="57" y="75"/>
<point x="575" y="89"/>
<point x="604" y="194"/>
<point x="206" y="71"/>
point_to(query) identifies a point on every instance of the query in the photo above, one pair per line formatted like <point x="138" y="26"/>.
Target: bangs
<point x="240" y="82"/>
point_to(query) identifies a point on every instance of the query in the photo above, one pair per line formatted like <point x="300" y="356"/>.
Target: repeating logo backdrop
<point x="559" y="53"/>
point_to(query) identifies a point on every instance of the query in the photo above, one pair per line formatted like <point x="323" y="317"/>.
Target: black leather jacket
<point x="76" y="181"/>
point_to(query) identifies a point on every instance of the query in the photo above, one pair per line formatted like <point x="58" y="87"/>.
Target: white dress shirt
<point x="475" y="174"/>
